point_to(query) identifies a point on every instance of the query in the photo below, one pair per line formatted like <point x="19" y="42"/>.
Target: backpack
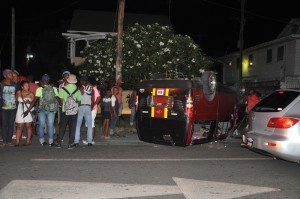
<point x="71" y="104"/>
<point x="48" y="100"/>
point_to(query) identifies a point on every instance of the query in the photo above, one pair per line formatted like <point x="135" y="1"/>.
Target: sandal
<point x="17" y="145"/>
<point x="27" y="144"/>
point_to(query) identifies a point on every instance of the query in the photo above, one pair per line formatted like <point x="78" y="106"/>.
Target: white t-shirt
<point x="113" y="100"/>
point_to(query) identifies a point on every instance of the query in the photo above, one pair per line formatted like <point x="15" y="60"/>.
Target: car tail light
<point x="270" y="144"/>
<point x="282" y="122"/>
<point x="189" y="106"/>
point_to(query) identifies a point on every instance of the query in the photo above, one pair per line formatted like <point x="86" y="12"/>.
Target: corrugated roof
<point x="102" y="21"/>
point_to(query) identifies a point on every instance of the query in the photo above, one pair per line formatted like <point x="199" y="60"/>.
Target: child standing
<point x="106" y="113"/>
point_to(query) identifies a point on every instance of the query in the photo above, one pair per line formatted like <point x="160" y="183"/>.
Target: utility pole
<point x="241" y="43"/>
<point x="13" y="38"/>
<point x="120" y="40"/>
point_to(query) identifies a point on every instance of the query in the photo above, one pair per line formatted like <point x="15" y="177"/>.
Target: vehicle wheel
<point x="209" y="81"/>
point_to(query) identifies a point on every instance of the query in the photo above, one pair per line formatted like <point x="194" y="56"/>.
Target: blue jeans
<point x="120" y="108"/>
<point x="86" y="113"/>
<point x="8" y="121"/>
<point x="132" y="116"/>
<point x="42" y="116"/>
<point x="113" y="122"/>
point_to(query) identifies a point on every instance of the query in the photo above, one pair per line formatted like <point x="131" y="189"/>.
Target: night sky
<point x="213" y="24"/>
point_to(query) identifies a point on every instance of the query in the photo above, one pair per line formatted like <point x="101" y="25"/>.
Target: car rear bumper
<point x="162" y="130"/>
<point x="278" y="146"/>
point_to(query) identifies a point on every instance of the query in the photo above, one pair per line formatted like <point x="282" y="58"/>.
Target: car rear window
<point x="276" y="102"/>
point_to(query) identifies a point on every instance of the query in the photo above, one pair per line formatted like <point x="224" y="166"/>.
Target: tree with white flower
<point x="146" y="50"/>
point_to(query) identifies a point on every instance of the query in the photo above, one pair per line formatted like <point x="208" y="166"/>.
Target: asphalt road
<point x="125" y="167"/>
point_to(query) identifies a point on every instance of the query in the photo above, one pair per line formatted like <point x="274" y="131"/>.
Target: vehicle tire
<point x="209" y="81"/>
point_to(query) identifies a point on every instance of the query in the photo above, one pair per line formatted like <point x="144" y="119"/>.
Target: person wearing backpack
<point x="70" y="98"/>
<point x="84" y="111"/>
<point x="47" y="98"/>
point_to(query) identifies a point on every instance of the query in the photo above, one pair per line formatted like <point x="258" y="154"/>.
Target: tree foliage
<point x="147" y="49"/>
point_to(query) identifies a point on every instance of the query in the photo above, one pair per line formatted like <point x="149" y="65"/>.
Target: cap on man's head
<point x="6" y="72"/>
<point x="45" y="77"/>
<point x="72" y="79"/>
<point x="66" y="73"/>
<point x="120" y="81"/>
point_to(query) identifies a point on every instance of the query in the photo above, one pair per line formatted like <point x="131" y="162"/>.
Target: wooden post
<point x="120" y="40"/>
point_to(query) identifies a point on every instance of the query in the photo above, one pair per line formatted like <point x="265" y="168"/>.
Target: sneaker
<point x="70" y="146"/>
<point x="84" y="142"/>
<point x="90" y="144"/>
<point x="44" y="144"/>
<point x="93" y="142"/>
<point x="51" y="145"/>
<point x="75" y="144"/>
<point x="14" y="137"/>
<point x="9" y="144"/>
<point x="24" y="137"/>
<point x="57" y="145"/>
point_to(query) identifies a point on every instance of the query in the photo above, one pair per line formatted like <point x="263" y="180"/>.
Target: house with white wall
<point x="88" y="26"/>
<point x="269" y="65"/>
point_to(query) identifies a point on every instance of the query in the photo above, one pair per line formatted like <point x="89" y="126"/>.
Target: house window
<point x="269" y="55"/>
<point x="250" y="60"/>
<point x="280" y="53"/>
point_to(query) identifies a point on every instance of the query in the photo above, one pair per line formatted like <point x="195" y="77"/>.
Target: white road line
<point x="193" y="189"/>
<point x="190" y="188"/>
<point x="37" y="189"/>
<point x="147" y="160"/>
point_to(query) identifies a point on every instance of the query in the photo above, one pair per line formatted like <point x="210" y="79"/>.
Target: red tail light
<point x="189" y="106"/>
<point x="282" y="122"/>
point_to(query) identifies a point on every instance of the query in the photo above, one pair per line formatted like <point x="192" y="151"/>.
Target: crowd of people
<point x="25" y="104"/>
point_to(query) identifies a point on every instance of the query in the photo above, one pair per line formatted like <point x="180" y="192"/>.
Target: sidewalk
<point x="125" y="134"/>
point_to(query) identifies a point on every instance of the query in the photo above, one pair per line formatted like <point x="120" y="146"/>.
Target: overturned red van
<point x="184" y="112"/>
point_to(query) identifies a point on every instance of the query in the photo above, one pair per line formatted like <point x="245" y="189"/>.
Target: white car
<point x="274" y="127"/>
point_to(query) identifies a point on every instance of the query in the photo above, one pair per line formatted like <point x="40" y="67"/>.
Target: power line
<point x="51" y="13"/>
<point x="247" y="12"/>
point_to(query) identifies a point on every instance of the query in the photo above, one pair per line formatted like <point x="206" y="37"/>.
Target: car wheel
<point x="209" y="81"/>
